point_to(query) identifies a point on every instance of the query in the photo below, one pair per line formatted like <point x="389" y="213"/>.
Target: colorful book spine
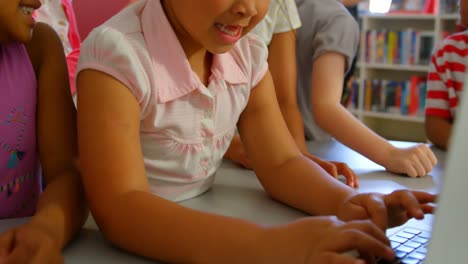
<point x="405" y="97"/>
<point x="407" y="47"/>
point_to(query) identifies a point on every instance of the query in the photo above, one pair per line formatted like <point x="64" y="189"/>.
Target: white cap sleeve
<point x="114" y="53"/>
<point x="287" y="18"/>
<point x="259" y="59"/>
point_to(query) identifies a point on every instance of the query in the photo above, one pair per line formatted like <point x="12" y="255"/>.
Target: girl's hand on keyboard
<point x="324" y="240"/>
<point x="403" y="205"/>
<point x="387" y="210"/>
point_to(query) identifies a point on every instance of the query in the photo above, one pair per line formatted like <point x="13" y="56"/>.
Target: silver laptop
<point x="441" y="238"/>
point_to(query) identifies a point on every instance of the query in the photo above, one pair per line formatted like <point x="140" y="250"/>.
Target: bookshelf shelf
<point x="396" y="16"/>
<point x="393" y="63"/>
<point x="416" y="119"/>
<point x="397" y="67"/>
<point x="355" y="111"/>
<point x="449" y="17"/>
<point x="401" y="16"/>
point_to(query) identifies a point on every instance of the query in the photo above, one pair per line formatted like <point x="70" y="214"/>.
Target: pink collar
<point x="175" y="78"/>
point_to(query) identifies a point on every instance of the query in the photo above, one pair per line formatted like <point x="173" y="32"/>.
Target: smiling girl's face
<point x="213" y="25"/>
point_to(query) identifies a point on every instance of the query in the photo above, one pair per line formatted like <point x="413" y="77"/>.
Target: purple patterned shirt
<point x="20" y="184"/>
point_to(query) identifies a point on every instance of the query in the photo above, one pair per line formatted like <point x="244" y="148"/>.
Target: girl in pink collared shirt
<point x="161" y="88"/>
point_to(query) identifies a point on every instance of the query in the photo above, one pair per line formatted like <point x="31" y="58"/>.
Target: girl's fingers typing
<point x="425" y="201"/>
<point x="423" y="197"/>
<point x="408" y="201"/>
<point x="427" y="208"/>
<point x="355" y="239"/>
<point x="368" y="227"/>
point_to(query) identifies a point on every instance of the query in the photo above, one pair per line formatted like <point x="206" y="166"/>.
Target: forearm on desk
<point x="61" y="208"/>
<point x="346" y="128"/>
<point x="166" y="231"/>
<point x="304" y="185"/>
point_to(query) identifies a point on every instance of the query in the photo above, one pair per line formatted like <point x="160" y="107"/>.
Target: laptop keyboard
<point x="410" y="246"/>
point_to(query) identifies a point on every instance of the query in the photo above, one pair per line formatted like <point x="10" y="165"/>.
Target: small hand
<point x="387" y="210"/>
<point x="416" y="161"/>
<point x="361" y="236"/>
<point x="320" y="240"/>
<point x="335" y="169"/>
<point x="29" y="244"/>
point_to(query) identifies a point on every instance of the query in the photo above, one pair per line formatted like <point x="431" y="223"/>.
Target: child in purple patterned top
<point x="37" y="138"/>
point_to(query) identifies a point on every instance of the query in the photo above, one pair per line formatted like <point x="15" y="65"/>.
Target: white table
<point x="236" y="192"/>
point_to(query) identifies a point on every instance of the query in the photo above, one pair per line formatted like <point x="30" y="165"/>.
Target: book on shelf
<point x="425" y="46"/>
<point x="399" y="6"/>
<point x="407" y="47"/>
<point x="402" y="97"/>
<point x="448" y="6"/>
<point x="350" y="95"/>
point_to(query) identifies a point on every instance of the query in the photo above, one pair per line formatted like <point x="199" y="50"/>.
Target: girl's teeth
<point x="226" y="30"/>
<point x="27" y="10"/>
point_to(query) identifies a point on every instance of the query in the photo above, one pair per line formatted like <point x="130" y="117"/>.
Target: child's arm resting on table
<point x="285" y="173"/>
<point x="291" y="178"/>
<point x="282" y="65"/>
<point x="61" y="211"/>
<point x="117" y="187"/>
<point x="326" y="94"/>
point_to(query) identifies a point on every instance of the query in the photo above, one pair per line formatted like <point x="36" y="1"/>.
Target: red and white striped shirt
<point x="446" y="76"/>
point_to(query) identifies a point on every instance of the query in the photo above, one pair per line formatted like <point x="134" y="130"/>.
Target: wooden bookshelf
<point x="392" y="125"/>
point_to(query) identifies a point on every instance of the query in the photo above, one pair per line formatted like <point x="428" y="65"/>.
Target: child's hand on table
<point x="416" y="161"/>
<point x="236" y="152"/>
<point x="335" y="169"/>
<point x="29" y="243"/>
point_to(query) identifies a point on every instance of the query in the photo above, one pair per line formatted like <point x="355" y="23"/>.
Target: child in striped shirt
<point x="445" y="83"/>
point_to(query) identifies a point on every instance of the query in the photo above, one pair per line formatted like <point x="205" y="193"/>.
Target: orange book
<point x="414" y="95"/>
<point x="368" y="98"/>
